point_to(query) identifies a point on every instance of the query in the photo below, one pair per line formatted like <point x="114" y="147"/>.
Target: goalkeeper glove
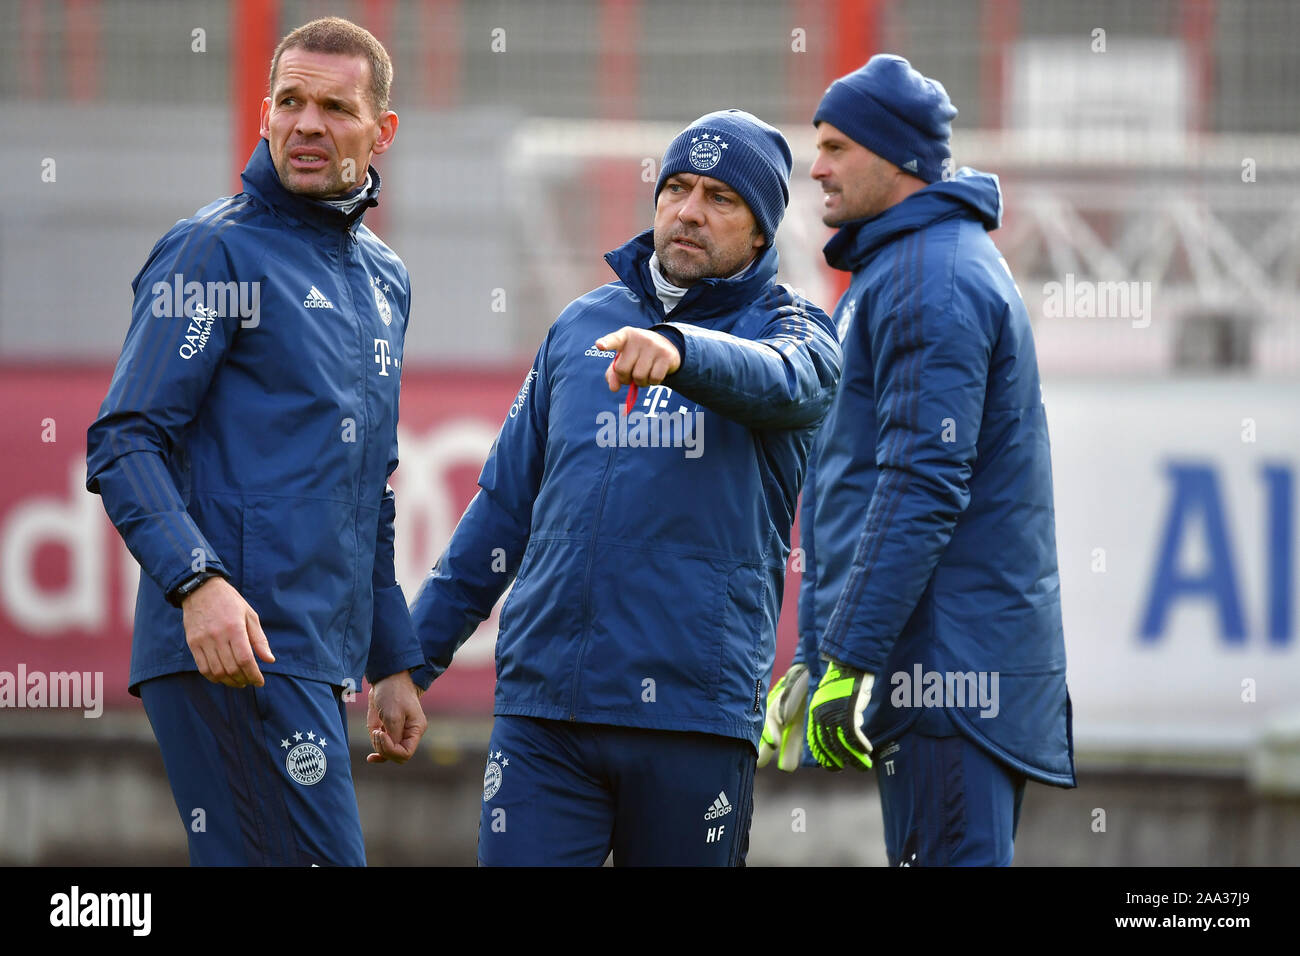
<point x="787" y="711"/>
<point x="835" y="734"/>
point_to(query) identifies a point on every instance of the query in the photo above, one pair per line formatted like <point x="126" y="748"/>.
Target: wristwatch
<point x="187" y="587"/>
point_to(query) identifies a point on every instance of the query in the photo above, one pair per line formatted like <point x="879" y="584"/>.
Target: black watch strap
<point x="188" y="587"/>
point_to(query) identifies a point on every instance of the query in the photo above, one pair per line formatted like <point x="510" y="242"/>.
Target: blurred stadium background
<point x="1148" y="156"/>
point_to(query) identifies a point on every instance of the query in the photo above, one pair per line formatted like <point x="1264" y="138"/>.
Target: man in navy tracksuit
<point x="647" y="549"/>
<point x="930" y="617"/>
<point x="243" y="452"/>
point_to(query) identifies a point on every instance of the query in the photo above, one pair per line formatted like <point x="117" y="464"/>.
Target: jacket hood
<point x="261" y="179"/>
<point x="708" y="297"/>
<point x="971" y="194"/>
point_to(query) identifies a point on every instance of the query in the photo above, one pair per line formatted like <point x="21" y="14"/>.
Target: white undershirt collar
<point x="671" y="295"/>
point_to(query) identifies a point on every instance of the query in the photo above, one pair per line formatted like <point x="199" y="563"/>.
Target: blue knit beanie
<point x="742" y="151"/>
<point x="895" y="112"/>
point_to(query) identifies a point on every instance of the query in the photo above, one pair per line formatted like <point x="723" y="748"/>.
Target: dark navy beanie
<point x="895" y="112"/>
<point x="742" y="151"/>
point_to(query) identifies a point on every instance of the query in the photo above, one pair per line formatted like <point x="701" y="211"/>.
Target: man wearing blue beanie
<point x="648" y="565"/>
<point x="930" y="617"/>
<point x="739" y="149"/>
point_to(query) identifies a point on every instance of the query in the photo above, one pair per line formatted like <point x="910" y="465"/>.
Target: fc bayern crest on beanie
<point x="895" y="112"/>
<point x="742" y="151"/>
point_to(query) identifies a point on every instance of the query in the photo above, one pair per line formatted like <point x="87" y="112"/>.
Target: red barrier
<point x="67" y="583"/>
<point x="256" y="23"/>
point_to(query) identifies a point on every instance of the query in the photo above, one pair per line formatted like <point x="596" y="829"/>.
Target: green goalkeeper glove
<point x="835" y="734"/>
<point x="787" y="712"/>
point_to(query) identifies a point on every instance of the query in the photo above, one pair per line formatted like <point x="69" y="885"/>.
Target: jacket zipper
<point x="586" y="586"/>
<point x="362" y="414"/>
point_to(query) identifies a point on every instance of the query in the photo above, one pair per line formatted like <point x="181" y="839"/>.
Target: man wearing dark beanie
<point x="636" y="645"/>
<point x="929" y="618"/>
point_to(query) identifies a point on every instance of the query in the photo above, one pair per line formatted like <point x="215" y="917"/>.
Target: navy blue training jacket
<point x="649" y="579"/>
<point x="260" y="446"/>
<point x="928" y="522"/>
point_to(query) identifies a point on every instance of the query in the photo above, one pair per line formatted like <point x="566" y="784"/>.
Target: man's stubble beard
<point x="682" y="278"/>
<point x="328" y="190"/>
<point x="693" y="271"/>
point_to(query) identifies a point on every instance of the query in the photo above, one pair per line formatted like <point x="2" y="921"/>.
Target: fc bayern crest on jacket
<point x="381" y="300"/>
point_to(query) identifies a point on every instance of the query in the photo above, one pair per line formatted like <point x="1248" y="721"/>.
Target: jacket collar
<point x="706" y="299"/>
<point x="969" y="195"/>
<point x="261" y="180"/>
